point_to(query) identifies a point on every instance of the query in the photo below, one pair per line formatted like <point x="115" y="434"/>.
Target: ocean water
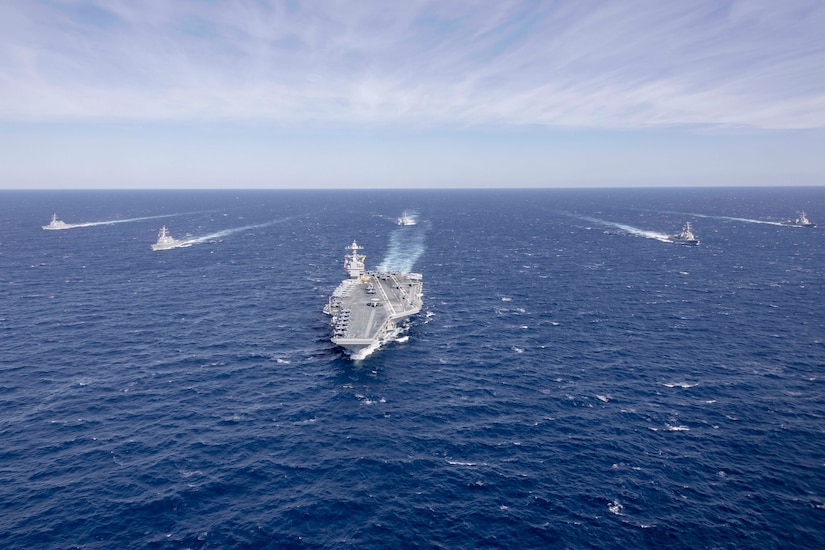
<point x="574" y="381"/>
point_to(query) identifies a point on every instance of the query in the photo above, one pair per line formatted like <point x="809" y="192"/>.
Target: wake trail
<point x="406" y="246"/>
<point x="225" y="233"/>
<point x="113" y="222"/>
<point x="729" y="218"/>
<point x="663" y="237"/>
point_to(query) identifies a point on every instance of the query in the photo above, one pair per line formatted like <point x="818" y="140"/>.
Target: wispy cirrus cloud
<point x="751" y="63"/>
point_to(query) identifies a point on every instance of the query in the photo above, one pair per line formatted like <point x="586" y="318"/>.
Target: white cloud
<point x="595" y="64"/>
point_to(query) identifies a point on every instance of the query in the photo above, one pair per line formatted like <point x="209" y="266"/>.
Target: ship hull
<point x="169" y="245"/>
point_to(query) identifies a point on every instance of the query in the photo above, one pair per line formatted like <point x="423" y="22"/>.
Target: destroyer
<point x="165" y="241"/>
<point x="56" y="224"/>
<point x="368" y="309"/>
<point x="405" y="220"/>
<point x="685" y="236"/>
<point x="800" y="221"/>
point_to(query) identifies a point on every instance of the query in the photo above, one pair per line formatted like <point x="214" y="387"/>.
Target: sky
<point x="411" y="93"/>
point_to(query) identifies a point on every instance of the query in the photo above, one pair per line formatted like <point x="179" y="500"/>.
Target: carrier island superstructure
<point x="370" y="307"/>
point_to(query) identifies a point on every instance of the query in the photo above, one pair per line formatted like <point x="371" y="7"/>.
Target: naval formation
<point x="370" y="308"/>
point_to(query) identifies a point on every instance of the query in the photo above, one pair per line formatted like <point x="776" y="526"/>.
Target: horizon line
<point x="440" y="188"/>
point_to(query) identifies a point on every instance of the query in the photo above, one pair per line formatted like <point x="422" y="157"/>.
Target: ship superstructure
<point x="369" y="308"/>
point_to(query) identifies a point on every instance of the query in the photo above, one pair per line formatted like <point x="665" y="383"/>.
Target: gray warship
<point x="685" y="236"/>
<point x="56" y="224"/>
<point x="369" y="308"/>
<point x="800" y="221"/>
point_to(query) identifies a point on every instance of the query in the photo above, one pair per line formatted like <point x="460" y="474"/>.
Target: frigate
<point x="370" y="307"/>
<point x="685" y="236"/>
<point x="405" y="220"/>
<point x="56" y="224"/>
<point x="166" y="242"/>
<point x="800" y="221"/>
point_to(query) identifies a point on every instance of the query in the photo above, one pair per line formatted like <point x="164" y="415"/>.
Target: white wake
<point x="113" y="222"/>
<point x="664" y="237"/>
<point x="406" y="246"/>
<point x="746" y="220"/>
<point x="223" y="233"/>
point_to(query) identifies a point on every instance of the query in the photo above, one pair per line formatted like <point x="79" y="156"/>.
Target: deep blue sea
<point x="574" y="381"/>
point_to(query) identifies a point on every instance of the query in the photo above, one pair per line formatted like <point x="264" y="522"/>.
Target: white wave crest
<point x="683" y="385"/>
<point x="677" y="428"/>
<point x="615" y="507"/>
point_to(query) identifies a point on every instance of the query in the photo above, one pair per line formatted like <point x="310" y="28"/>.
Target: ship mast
<point x="354" y="264"/>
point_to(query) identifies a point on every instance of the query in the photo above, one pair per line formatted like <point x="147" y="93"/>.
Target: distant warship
<point x="405" y="220"/>
<point x="685" y="236"/>
<point x="368" y="308"/>
<point x="165" y="241"/>
<point x="56" y="224"/>
<point x="800" y="221"/>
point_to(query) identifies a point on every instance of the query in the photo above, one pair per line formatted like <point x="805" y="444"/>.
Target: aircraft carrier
<point x="370" y="307"/>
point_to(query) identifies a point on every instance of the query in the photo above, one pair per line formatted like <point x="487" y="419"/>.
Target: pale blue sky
<point x="358" y="93"/>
